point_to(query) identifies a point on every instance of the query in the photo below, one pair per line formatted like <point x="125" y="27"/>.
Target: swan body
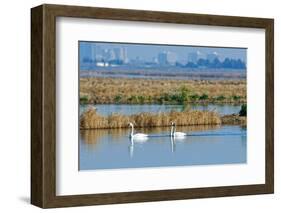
<point x="137" y="135"/>
<point x="176" y="134"/>
<point x="179" y="134"/>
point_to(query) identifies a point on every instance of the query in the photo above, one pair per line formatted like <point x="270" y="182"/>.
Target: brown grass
<point x="90" y="119"/>
<point x="234" y="119"/>
<point x="116" y="90"/>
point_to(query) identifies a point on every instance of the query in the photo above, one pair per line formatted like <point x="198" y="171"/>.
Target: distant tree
<point x="226" y="63"/>
<point x="191" y="65"/>
<point x="87" y="60"/>
<point x="216" y="63"/>
<point x="178" y="64"/>
<point x="203" y="62"/>
<point x="240" y="64"/>
<point x="116" y="62"/>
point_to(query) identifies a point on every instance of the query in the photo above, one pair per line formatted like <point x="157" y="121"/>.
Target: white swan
<point x="176" y="134"/>
<point x="137" y="135"/>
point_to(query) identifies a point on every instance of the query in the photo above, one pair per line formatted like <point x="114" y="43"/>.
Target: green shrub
<point x="84" y="99"/>
<point x="243" y="110"/>
<point x="141" y="99"/>
<point x="149" y="99"/>
<point x="220" y="98"/>
<point x="236" y="97"/>
<point x="117" y="98"/>
<point x="133" y="99"/>
<point x="203" y="97"/>
<point x="167" y="97"/>
<point x="174" y="98"/>
<point x="194" y="97"/>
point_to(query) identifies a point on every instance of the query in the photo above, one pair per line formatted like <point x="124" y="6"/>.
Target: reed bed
<point x="148" y="91"/>
<point x="90" y="119"/>
<point x="234" y="119"/>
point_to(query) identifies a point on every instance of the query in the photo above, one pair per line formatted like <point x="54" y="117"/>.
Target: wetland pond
<point x="129" y="109"/>
<point x="204" y="145"/>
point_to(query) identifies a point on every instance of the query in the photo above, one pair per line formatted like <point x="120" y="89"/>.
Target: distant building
<point x="192" y="57"/>
<point x="111" y="55"/>
<point x="102" y="64"/>
<point x="87" y="52"/>
<point x="171" y="58"/>
<point x="121" y="54"/>
<point x="154" y="60"/>
<point x="162" y="59"/>
<point x="97" y="53"/>
<point x="212" y="56"/>
<point x="167" y="58"/>
<point x="107" y="55"/>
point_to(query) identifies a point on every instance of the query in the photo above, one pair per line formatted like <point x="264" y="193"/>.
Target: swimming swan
<point x="176" y="134"/>
<point x="137" y="135"/>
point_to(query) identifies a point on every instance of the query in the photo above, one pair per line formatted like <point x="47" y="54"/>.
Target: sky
<point x="148" y="51"/>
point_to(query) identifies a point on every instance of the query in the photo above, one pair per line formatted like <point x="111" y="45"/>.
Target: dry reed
<point x="234" y="119"/>
<point x="90" y="119"/>
<point x="140" y="91"/>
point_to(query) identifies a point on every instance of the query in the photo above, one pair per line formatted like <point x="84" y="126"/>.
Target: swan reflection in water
<point x="132" y="144"/>
<point x="173" y="145"/>
<point x="134" y="141"/>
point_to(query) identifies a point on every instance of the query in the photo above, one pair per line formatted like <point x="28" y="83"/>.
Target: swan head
<point x="130" y="124"/>
<point x="173" y="124"/>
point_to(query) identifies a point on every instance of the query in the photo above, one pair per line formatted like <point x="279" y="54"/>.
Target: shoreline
<point x="206" y="102"/>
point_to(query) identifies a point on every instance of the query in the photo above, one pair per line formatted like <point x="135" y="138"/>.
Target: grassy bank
<point x="92" y="120"/>
<point x="149" y="91"/>
<point x="234" y="119"/>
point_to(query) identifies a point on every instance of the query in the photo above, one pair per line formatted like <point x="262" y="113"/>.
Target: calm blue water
<point x="126" y="109"/>
<point x="205" y="145"/>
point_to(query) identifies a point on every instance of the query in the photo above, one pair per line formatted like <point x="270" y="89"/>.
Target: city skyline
<point x="140" y="50"/>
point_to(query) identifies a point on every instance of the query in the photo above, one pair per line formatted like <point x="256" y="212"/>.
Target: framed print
<point x="135" y="106"/>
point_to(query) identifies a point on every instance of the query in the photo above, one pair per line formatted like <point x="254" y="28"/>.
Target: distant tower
<point x="108" y="55"/>
<point x="171" y="58"/>
<point x="162" y="59"/>
<point x="121" y="54"/>
<point x="125" y="55"/>
<point x="111" y="55"/>
<point x="97" y="53"/>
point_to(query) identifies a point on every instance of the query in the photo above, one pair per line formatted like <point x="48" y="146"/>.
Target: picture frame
<point x="44" y="114"/>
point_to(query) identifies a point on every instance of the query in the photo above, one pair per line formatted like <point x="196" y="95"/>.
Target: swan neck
<point x="172" y="131"/>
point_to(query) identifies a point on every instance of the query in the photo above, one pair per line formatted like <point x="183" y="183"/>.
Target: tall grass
<point x="90" y="119"/>
<point x="141" y="91"/>
<point x="234" y="119"/>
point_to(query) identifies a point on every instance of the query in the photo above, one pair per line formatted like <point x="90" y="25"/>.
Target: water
<point x="163" y="73"/>
<point x="205" y="145"/>
<point x="128" y="109"/>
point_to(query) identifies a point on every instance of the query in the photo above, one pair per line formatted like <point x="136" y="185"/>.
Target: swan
<point x="137" y="135"/>
<point x="176" y="134"/>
